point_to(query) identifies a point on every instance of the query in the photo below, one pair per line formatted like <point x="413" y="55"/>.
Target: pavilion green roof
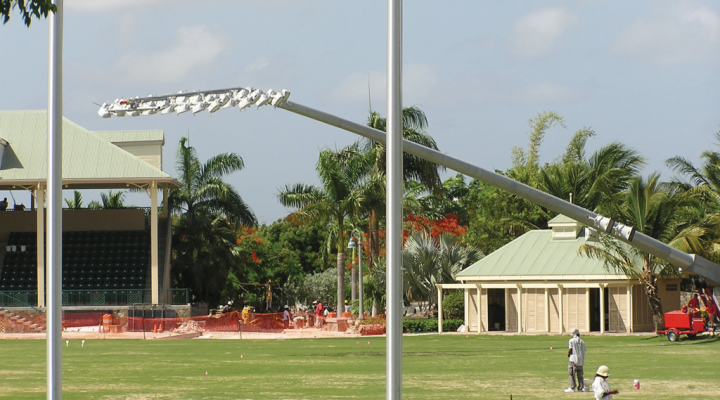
<point x="535" y="254"/>
<point x="89" y="160"/>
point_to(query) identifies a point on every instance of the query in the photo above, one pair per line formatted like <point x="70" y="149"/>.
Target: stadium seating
<point x="91" y="260"/>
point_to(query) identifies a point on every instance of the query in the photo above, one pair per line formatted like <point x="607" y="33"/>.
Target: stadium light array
<point x="195" y="102"/>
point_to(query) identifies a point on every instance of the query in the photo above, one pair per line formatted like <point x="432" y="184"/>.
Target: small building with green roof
<point x="540" y="283"/>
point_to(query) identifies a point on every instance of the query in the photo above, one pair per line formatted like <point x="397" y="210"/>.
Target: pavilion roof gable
<point x="87" y="157"/>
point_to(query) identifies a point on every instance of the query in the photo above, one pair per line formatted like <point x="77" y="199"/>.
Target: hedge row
<point x="430" y="325"/>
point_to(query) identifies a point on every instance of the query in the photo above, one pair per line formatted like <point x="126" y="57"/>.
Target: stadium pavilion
<point x="540" y="283"/>
<point x="110" y="256"/>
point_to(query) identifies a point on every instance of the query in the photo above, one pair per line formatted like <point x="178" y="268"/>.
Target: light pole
<point x="352" y="245"/>
<point x="54" y="207"/>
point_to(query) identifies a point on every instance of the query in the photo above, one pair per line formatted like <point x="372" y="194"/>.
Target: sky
<point x="644" y="73"/>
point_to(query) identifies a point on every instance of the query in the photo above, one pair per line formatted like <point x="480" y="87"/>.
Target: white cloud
<point x="681" y="32"/>
<point x="536" y="33"/>
<point x="540" y="93"/>
<point x="257" y="65"/>
<point x="420" y="82"/>
<point x="192" y="48"/>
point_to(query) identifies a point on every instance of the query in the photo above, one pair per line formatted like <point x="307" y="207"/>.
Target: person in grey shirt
<point x="576" y="359"/>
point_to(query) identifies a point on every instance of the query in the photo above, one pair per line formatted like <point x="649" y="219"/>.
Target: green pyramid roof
<point x="89" y="160"/>
<point x="536" y="254"/>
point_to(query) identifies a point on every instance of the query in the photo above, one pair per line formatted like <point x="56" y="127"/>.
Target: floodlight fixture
<point x="624" y="231"/>
<point x="197" y="101"/>
<point x="604" y="224"/>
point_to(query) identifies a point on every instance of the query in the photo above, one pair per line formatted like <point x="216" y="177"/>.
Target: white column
<point x="547" y="310"/>
<point x="602" y="309"/>
<point x="628" y="322"/>
<point x="439" y="289"/>
<point x="155" y="277"/>
<point x="587" y="309"/>
<point x="467" y="307"/>
<point x="40" y="210"/>
<point x="560" y="310"/>
<point x="520" y="309"/>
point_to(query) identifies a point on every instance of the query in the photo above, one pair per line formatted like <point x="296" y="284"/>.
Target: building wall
<point x="16" y="221"/>
<point x="472" y="310"/>
<point x="554" y="309"/>
<point x="533" y="310"/>
<point x="74" y="220"/>
<point x="472" y="306"/>
<point x="104" y="220"/>
<point x="574" y="309"/>
<point x="617" y="309"/>
<point x="511" y="310"/>
<point x="642" y="314"/>
<point x="669" y="292"/>
<point x="150" y="153"/>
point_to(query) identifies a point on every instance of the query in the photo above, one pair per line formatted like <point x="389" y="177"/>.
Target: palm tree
<point x="76" y="203"/>
<point x="661" y="212"/>
<point x="208" y="211"/>
<point x="428" y="261"/>
<point x="414" y="123"/>
<point x="593" y="181"/>
<point x="703" y="181"/>
<point x="113" y="200"/>
<point x="342" y="176"/>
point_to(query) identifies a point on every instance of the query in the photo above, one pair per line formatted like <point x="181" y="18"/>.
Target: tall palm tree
<point x="342" y="176"/>
<point x="703" y="181"/>
<point x="661" y="212"/>
<point x="208" y="211"/>
<point x="414" y="122"/>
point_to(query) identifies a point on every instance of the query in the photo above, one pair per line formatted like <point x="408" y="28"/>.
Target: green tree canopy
<point x="28" y="9"/>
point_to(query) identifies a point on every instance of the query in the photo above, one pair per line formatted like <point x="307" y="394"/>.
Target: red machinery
<point x="680" y="323"/>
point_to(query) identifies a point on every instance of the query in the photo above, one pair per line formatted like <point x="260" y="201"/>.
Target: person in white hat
<point x="286" y="317"/>
<point x="600" y="386"/>
<point x="576" y="359"/>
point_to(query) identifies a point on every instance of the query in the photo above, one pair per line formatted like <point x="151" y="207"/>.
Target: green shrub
<point x="419" y="325"/>
<point x="453" y="305"/>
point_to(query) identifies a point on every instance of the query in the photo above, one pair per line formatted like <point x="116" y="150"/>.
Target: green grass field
<point x="434" y="367"/>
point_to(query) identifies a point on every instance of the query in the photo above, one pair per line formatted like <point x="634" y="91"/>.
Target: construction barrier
<point x="213" y="323"/>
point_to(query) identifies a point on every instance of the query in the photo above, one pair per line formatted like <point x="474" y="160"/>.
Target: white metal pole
<point x="360" y="274"/>
<point x="394" y="201"/>
<point x="54" y="209"/>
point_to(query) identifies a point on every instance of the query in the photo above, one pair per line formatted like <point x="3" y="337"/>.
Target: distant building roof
<point x="535" y="255"/>
<point x="561" y="219"/>
<point x="89" y="160"/>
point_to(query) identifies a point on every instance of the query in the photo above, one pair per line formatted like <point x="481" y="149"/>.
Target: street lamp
<point x="353" y="245"/>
